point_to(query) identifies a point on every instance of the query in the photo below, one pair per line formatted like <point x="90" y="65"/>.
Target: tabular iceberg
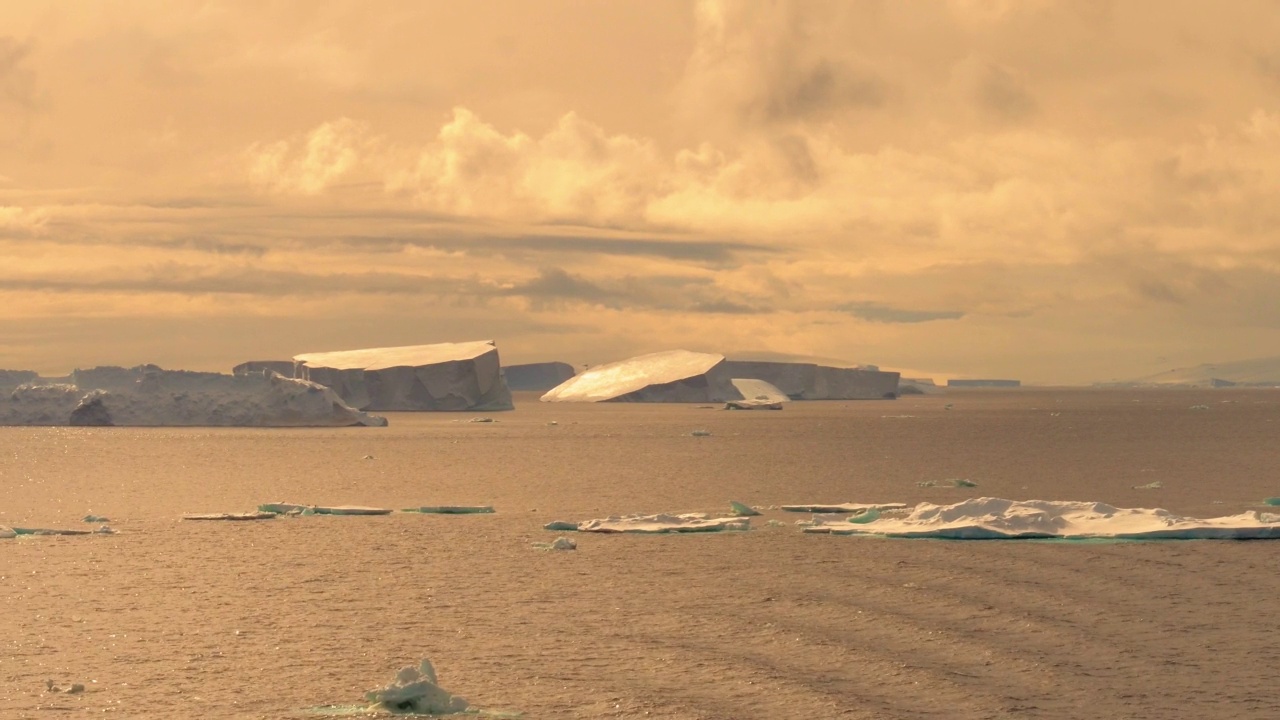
<point x="684" y="376"/>
<point x="148" y="396"/>
<point x="443" y="376"/>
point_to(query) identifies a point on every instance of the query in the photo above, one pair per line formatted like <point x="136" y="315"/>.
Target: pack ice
<point x="149" y="396"/>
<point x="442" y="376"/>
<point x="996" y="518"/>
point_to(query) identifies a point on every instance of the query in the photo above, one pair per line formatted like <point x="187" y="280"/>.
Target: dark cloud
<point x="17" y="83"/>
<point x="1002" y="94"/>
<point x="554" y="286"/>
<point x="700" y="251"/>
<point x="876" y="312"/>
<point x="814" y="90"/>
<point x="189" y="280"/>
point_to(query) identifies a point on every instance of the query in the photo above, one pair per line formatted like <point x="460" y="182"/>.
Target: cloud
<point x="310" y="165"/>
<point x="575" y="172"/>
<point x="879" y="313"/>
<point x="552" y="287"/>
<point x="17" y="82"/>
<point x="22" y="222"/>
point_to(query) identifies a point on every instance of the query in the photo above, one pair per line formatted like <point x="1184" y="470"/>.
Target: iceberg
<point x="443" y="376"/>
<point x="756" y="395"/>
<point x="149" y="396"/>
<point x="685" y="376"/>
<point x="416" y="691"/>
<point x="996" y="518"/>
<point x="537" y="376"/>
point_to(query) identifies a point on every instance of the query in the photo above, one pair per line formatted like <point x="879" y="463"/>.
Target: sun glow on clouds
<point x="880" y="182"/>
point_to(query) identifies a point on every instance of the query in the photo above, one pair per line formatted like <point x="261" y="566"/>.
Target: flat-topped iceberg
<point x="149" y="396"/>
<point x="685" y="376"/>
<point x="442" y="376"/>
<point x="996" y="518"/>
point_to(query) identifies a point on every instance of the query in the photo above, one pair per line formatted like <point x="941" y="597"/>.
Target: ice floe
<point x="655" y="524"/>
<point x="844" y="507"/>
<point x="996" y="518"/>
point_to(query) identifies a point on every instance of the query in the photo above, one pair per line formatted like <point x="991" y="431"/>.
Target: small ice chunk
<point x="737" y="508"/>
<point x="701" y="433"/>
<point x="451" y="509"/>
<point x="415" y="692"/>
<point x="560" y="525"/>
<point x="560" y="543"/>
<point x="1149" y="486"/>
<point x="94" y="519"/>
<point x="7" y="532"/>
<point x="231" y="516"/>
<point x="482" y="420"/>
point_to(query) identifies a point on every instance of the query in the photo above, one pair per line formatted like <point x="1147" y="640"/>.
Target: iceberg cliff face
<point x="149" y="396"/>
<point x="443" y="376"/>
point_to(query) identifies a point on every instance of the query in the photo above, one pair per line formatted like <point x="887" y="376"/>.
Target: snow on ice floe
<point x="441" y="376"/>
<point x="655" y="524"/>
<point x="844" y="507"/>
<point x="996" y="518"/>
<point x="149" y="396"/>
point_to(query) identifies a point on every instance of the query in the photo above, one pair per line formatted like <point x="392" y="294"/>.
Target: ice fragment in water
<point x="866" y="516"/>
<point x="451" y="509"/>
<point x="415" y="692"/>
<point x="560" y="543"/>
<point x="701" y="433"/>
<point x="737" y="508"/>
<point x="560" y="525"/>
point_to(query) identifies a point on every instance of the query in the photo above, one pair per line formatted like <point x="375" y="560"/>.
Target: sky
<point x="1058" y="191"/>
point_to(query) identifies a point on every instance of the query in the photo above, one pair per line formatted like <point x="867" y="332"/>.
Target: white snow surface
<point x="757" y="393"/>
<point x="389" y="357"/>
<point x="148" y="396"/>
<point x="662" y="523"/>
<point x="635" y="375"/>
<point x="437" y="377"/>
<point x="996" y="518"/>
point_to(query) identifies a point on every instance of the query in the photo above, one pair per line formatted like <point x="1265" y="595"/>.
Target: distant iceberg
<point x="443" y="376"/>
<point x="685" y="376"/>
<point x="149" y="396"/>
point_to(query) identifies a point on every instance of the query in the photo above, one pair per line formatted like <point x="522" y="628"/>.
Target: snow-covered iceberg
<point x="996" y="518"/>
<point x="685" y="376"/>
<point x="443" y="376"/>
<point x="669" y="376"/>
<point x="149" y="396"/>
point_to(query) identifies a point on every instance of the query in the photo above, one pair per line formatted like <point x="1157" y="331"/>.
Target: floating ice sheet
<point x="231" y="516"/>
<point x="996" y="518"/>
<point x="656" y="524"/>
<point x="294" y="509"/>
<point x="844" y="507"/>
<point x="451" y="509"/>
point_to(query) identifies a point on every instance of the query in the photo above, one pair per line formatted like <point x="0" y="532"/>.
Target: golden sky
<point x="1059" y="191"/>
